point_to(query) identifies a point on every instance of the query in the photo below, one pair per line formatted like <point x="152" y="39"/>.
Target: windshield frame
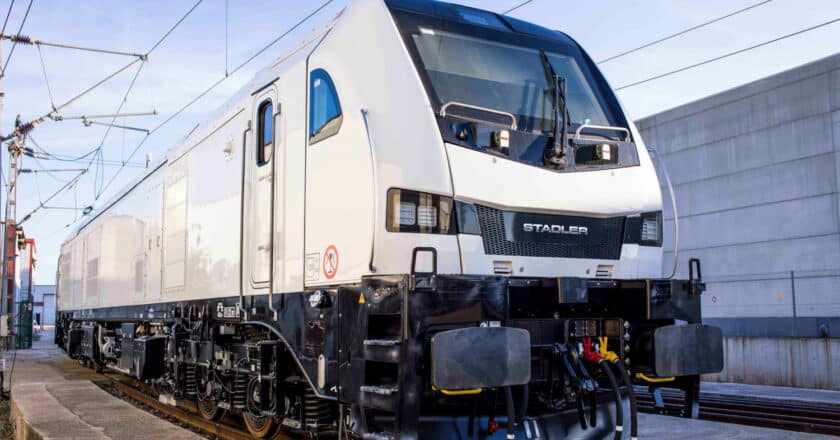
<point x="409" y="24"/>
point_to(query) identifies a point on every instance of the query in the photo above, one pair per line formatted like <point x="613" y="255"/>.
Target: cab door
<point x="259" y="190"/>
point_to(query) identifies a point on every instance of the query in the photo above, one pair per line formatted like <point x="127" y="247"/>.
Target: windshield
<point x="506" y="78"/>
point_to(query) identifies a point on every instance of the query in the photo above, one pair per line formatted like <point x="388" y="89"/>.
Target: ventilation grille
<point x="603" y="242"/>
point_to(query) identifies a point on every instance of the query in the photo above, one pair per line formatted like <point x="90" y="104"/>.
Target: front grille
<point x="603" y="241"/>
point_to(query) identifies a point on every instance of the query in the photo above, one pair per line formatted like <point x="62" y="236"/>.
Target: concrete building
<point x="43" y="305"/>
<point x="756" y="171"/>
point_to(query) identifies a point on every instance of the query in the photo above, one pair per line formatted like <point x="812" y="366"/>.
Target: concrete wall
<point x="756" y="172"/>
<point x="796" y="362"/>
<point x="756" y="175"/>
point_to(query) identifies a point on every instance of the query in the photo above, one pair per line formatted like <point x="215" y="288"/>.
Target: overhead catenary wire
<point x="727" y="55"/>
<point x="172" y="29"/>
<point x="684" y="31"/>
<point x="20" y="29"/>
<point x="517" y="7"/>
<point x="26" y="217"/>
<point x="213" y="86"/>
<point x="8" y="14"/>
<point x="46" y="78"/>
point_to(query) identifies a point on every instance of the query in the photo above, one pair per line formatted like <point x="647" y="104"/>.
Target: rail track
<point x="809" y="418"/>
<point x="185" y="414"/>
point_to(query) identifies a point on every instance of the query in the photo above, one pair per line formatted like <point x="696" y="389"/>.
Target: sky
<point x="219" y="34"/>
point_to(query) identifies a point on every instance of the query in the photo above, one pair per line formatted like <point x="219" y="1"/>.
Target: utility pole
<point x="10" y="234"/>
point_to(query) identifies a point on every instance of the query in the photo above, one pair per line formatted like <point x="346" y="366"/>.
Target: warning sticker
<point x="313" y="269"/>
<point x="330" y="262"/>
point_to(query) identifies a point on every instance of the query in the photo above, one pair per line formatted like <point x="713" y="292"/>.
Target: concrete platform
<point x="827" y="398"/>
<point x="53" y="398"/>
<point x="653" y="426"/>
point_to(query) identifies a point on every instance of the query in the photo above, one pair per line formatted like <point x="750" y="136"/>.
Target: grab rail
<point x="483" y="109"/>
<point x="603" y="127"/>
<point x="375" y="191"/>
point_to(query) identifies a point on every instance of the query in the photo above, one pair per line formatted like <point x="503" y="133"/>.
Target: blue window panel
<point x="267" y="131"/>
<point x="324" y="107"/>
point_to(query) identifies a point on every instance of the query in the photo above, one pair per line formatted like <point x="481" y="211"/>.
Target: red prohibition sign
<point x="330" y="262"/>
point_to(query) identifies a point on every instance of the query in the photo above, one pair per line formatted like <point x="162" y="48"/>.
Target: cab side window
<point x="265" y="133"/>
<point x="324" y="109"/>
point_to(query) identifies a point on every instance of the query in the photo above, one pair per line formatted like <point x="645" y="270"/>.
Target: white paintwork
<point x="179" y="232"/>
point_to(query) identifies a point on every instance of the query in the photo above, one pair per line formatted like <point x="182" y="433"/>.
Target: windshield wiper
<point x="555" y="155"/>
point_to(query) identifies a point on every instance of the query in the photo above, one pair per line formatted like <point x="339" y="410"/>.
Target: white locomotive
<point x="423" y="209"/>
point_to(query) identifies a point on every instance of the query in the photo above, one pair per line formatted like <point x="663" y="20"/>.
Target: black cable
<point x="511" y="414"/>
<point x="523" y="404"/>
<point x="517" y="7"/>
<point x="20" y="29"/>
<point x="59" y="157"/>
<point x="683" y="32"/>
<point x="619" y="407"/>
<point x="727" y="55"/>
<point x="634" y="420"/>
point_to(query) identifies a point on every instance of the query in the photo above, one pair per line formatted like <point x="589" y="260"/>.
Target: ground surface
<point x="49" y="378"/>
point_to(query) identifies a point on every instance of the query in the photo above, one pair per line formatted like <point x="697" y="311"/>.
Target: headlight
<point x="412" y="211"/>
<point x="651" y="231"/>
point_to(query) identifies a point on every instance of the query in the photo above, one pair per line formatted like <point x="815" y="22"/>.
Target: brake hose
<point x="593" y="396"/>
<point x="576" y="382"/>
<point x="619" y="407"/>
<point x="632" y="397"/>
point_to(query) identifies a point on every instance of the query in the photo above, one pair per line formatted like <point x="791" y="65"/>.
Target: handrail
<point x="603" y="127"/>
<point x="661" y="163"/>
<point x="375" y="191"/>
<point x="484" y="109"/>
<point x="242" y="308"/>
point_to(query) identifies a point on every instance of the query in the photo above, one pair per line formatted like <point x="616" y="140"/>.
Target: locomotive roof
<point x="231" y="106"/>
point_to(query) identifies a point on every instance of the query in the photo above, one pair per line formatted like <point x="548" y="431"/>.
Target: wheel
<point x="209" y="409"/>
<point x="259" y="427"/>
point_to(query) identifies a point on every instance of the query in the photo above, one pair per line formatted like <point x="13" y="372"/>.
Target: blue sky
<point x="193" y="57"/>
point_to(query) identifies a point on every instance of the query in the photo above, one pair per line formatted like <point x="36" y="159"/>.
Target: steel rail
<point x="182" y="415"/>
<point x="805" y="417"/>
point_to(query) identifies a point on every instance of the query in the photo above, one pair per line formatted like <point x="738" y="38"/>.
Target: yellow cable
<point x="457" y="392"/>
<point x="604" y="352"/>
<point x="654" y="379"/>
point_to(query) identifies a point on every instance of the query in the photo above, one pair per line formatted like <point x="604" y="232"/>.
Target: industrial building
<point x="756" y="171"/>
<point x="43" y="305"/>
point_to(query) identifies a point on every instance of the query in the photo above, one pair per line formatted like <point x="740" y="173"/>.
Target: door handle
<point x="264" y="248"/>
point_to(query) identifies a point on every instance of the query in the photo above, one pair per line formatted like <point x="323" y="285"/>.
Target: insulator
<point x="24" y="129"/>
<point x="22" y="39"/>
